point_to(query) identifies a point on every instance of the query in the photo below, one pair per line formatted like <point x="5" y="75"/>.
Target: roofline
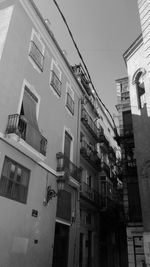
<point x="133" y="47"/>
<point x="55" y="42"/>
<point x="61" y="52"/>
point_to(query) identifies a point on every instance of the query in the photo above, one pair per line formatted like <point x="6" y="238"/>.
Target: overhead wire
<point x="80" y="55"/>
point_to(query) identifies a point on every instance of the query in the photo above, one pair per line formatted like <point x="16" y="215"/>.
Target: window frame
<point x="139" y="74"/>
<point x="72" y="142"/>
<point x="31" y="58"/>
<point x="71" y="95"/>
<point x="14" y="181"/>
<point x="57" y="91"/>
<point x="34" y="92"/>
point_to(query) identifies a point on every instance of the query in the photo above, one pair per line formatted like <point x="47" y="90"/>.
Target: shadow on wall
<point x="141" y="129"/>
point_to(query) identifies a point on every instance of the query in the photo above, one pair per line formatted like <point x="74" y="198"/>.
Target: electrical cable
<point x="89" y="77"/>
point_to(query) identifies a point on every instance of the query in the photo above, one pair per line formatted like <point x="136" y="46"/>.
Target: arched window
<point x="140" y="87"/>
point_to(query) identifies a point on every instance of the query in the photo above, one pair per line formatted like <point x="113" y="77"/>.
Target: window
<point x="55" y="78"/>
<point x="36" y="50"/>
<point x="127" y="122"/>
<point x="67" y="145"/>
<point x="28" y="125"/>
<point x="89" y="180"/>
<point x="88" y="218"/>
<point x="14" y="181"/>
<point x="70" y="100"/>
<point x="140" y="90"/>
<point x="25" y="124"/>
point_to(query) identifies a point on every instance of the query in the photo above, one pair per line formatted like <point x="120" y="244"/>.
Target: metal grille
<point x="36" y="55"/>
<point x="55" y="83"/>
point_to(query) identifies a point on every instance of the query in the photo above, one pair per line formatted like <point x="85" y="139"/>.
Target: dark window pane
<point x="14" y="181"/>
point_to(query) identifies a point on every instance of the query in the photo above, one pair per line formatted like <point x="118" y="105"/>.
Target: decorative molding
<point x="142" y="70"/>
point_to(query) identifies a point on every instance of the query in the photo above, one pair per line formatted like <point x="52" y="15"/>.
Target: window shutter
<point x="64" y="205"/>
<point x="38" y="43"/>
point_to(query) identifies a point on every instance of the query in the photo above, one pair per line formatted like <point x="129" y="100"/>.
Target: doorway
<point x="81" y="251"/>
<point x="60" y="252"/>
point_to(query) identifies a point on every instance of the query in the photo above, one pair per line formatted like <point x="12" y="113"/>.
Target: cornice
<point x="135" y="45"/>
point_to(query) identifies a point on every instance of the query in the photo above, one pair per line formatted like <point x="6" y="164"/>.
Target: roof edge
<point x="133" y="47"/>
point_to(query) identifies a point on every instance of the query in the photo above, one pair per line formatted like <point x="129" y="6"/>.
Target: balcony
<point x="110" y="196"/>
<point x="105" y="167"/>
<point x="64" y="164"/>
<point x="130" y="167"/>
<point x="55" y="83"/>
<point x="18" y="125"/>
<point x="89" y="153"/>
<point x="36" y="55"/>
<point x="70" y="103"/>
<point x="90" y="193"/>
<point x="89" y="124"/>
<point x="80" y="73"/>
<point x="104" y="143"/>
<point x="112" y="154"/>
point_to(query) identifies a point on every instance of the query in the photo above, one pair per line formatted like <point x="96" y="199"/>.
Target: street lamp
<point x="50" y="193"/>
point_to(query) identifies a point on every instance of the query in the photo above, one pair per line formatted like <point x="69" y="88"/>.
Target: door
<point x="81" y="251"/>
<point x="60" y="252"/>
<point x="89" y="248"/>
<point x="67" y="149"/>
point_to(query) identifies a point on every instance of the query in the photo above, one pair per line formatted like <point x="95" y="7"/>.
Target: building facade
<point x="131" y="196"/>
<point x="137" y="68"/>
<point x="39" y="139"/>
<point x="59" y="188"/>
<point x="99" y="196"/>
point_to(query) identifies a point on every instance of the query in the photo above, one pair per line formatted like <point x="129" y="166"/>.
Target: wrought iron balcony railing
<point x="105" y="167"/>
<point x="112" y="154"/>
<point x="110" y="196"/>
<point x="36" y="55"/>
<point x="125" y="96"/>
<point x="55" y="83"/>
<point x="90" y="154"/>
<point x="64" y="164"/>
<point x="70" y="103"/>
<point x="19" y="125"/>
<point x="79" y="72"/>
<point x="130" y="167"/>
<point x="104" y="143"/>
<point x="90" y="124"/>
<point x="90" y="193"/>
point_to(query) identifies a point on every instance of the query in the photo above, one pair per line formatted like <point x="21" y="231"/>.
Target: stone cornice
<point x="135" y="45"/>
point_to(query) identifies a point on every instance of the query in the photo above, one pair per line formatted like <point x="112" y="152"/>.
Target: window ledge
<point x="22" y="146"/>
<point x="73" y="182"/>
<point x="69" y="111"/>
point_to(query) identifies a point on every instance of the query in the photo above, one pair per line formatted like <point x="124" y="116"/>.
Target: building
<point x="137" y="61"/>
<point x="59" y="188"/>
<point x="98" y="192"/>
<point x="38" y="143"/>
<point x="131" y="196"/>
<point x="137" y="68"/>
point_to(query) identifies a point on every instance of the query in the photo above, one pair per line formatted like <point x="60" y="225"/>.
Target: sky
<point x="103" y="31"/>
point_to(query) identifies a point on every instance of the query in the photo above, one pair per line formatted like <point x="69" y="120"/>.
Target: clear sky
<point x="103" y="30"/>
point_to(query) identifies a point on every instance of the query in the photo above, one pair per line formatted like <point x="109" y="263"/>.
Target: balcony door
<point x="67" y="148"/>
<point x="28" y="124"/>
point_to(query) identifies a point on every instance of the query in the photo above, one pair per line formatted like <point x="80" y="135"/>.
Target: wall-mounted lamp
<point x="50" y="193"/>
